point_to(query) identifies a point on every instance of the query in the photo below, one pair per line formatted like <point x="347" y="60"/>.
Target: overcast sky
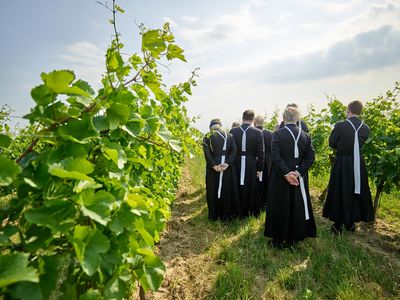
<point x="256" y="54"/>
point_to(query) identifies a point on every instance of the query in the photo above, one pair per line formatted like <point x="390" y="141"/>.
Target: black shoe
<point x="351" y="228"/>
<point x="336" y="229"/>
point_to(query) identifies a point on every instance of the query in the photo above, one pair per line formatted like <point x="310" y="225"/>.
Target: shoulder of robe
<point x="341" y="123"/>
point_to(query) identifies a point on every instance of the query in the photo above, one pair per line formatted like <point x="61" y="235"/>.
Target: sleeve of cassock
<point x="260" y="152"/>
<point x="207" y="153"/>
<point x="276" y="156"/>
<point x="334" y="137"/>
<point x="231" y="156"/>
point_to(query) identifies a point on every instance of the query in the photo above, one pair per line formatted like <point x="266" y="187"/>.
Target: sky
<point x="252" y="54"/>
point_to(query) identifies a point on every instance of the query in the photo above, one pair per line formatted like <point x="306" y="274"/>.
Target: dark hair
<point x="248" y="115"/>
<point x="215" y="122"/>
<point x="292" y="105"/>
<point x="355" y="107"/>
<point x="235" y="124"/>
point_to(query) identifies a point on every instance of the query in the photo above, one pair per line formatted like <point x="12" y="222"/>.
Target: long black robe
<point x="250" y="202"/>
<point x="304" y="126"/>
<point x="227" y="206"/>
<point x="342" y="205"/>
<point x="262" y="185"/>
<point x="285" y="218"/>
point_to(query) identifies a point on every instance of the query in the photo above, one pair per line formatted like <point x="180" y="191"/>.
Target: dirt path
<point x="183" y="247"/>
<point x="191" y="269"/>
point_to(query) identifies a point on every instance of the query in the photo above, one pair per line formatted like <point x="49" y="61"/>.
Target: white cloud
<point x="86" y="60"/>
<point x="223" y="31"/>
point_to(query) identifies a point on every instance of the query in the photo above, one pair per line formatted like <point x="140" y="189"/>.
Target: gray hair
<point x="291" y="115"/>
<point x="259" y="120"/>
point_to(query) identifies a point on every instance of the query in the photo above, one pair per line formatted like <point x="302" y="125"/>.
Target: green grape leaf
<point x="115" y="288"/>
<point x="164" y="133"/>
<point x="43" y="95"/>
<point x="176" y="145"/>
<point x="175" y="51"/>
<point x="5" y="140"/>
<point x="9" y="170"/>
<point x="101" y="123"/>
<point x="152" y="273"/>
<point x="117" y="114"/>
<point x="59" y="82"/>
<point x="79" y="131"/>
<point x="153" y="42"/>
<point x="152" y="125"/>
<point x="59" y="217"/>
<point x="96" y="206"/>
<point x="89" y="243"/>
<point x="14" y="268"/>
<point x="26" y="291"/>
<point x="91" y="295"/>
<point x="134" y="127"/>
<point x="115" y="153"/>
<point x="59" y="171"/>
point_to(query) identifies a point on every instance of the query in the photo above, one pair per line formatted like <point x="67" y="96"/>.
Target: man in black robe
<point x="249" y="164"/>
<point x="263" y="178"/>
<point x="289" y="216"/>
<point x="300" y="123"/>
<point x="221" y="190"/>
<point x="349" y="198"/>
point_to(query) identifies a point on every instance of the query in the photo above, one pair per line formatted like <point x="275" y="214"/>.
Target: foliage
<point x="382" y="150"/>
<point x="93" y="187"/>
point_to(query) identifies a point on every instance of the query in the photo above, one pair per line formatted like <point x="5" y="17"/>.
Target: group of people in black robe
<point x="250" y="169"/>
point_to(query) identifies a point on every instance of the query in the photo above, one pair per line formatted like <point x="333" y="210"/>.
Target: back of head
<point x="248" y="115"/>
<point x="294" y="105"/>
<point x="259" y="121"/>
<point x="215" y="124"/>
<point x="355" y="107"/>
<point x="235" y="124"/>
<point x="290" y="115"/>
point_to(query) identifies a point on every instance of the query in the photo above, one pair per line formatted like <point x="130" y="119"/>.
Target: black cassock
<point x="303" y="125"/>
<point x="262" y="184"/>
<point x="249" y="160"/>
<point x="342" y="205"/>
<point x="289" y="217"/>
<point x="222" y="194"/>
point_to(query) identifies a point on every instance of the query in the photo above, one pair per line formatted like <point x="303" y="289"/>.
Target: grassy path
<point x="233" y="261"/>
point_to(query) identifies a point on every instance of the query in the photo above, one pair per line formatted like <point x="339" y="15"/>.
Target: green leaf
<point x="164" y="133"/>
<point x="43" y="95"/>
<point x="135" y="60"/>
<point x="78" y="164"/>
<point x="176" y="145"/>
<point x="14" y="268"/>
<point x="59" y="171"/>
<point x="115" y="288"/>
<point x="153" y="42"/>
<point x="152" y="125"/>
<point x="152" y="273"/>
<point x="9" y="170"/>
<point x="5" y="140"/>
<point x="96" y="206"/>
<point x="101" y="123"/>
<point x="26" y="291"/>
<point x="91" y="295"/>
<point x="134" y="127"/>
<point x="59" y="82"/>
<point x="115" y="153"/>
<point x="59" y="217"/>
<point x="117" y="114"/>
<point x="175" y="52"/>
<point x="79" y="131"/>
<point x="89" y="243"/>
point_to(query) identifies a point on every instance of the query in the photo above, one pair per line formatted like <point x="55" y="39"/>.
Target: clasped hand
<point x="292" y="178"/>
<point x="221" y="167"/>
